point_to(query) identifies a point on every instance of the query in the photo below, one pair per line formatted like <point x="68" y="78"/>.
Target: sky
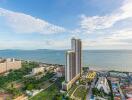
<point x="50" y="24"/>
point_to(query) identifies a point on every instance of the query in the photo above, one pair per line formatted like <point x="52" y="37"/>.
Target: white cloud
<point x="106" y="34"/>
<point x="113" y="38"/>
<point x="106" y="44"/>
<point x="22" y="23"/>
<point x="119" y="39"/>
<point x="32" y="44"/>
<point x="93" y="23"/>
<point x="122" y="34"/>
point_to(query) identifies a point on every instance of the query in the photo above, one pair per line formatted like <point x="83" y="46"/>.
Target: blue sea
<point x="95" y="59"/>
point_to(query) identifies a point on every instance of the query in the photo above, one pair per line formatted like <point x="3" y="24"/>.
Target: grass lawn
<point x="80" y="92"/>
<point x="47" y="94"/>
<point x="45" y="84"/>
<point x="50" y="93"/>
<point x="71" y="90"/>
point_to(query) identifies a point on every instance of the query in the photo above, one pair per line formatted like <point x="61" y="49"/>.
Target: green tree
<point x="30" y="86"/>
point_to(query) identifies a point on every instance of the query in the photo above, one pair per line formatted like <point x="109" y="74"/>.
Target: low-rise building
<point x="38" y="70"/>
<point x="127" y="90"/>
<point x="115" y="85"/>
<point x="21" y="97"/>
<point x="60" y="71"/>
<point x="118" y="74"/>
<point x="50" y="68"/>
<point x="129" y="94"/>
<point x="91" y="75"/>
<point x="102" y="84"/>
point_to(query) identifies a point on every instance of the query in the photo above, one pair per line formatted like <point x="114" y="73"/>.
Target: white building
<point x="59" y="71"/>
<point x="37" y="70"/>
<point x="102" y="84"/>
<point x="129" y="94"/>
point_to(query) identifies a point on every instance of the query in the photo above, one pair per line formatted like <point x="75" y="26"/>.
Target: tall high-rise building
<point x="76" y="47"/>
<point x="73" y="64"/>
<point x="70" y="66"/>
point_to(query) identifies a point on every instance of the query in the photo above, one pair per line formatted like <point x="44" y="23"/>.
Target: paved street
<point x="90" y="90"/>
<point x="122" y="95"/>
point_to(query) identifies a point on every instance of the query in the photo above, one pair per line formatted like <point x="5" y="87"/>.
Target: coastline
<point x="92" y="67"/>
<point x="109" y="69"/>
<point x="97" y="59"/>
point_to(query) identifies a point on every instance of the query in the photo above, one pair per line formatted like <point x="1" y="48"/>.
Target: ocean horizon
<point x="95" y="59"/>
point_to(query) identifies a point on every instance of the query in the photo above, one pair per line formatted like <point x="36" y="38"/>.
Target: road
<point x="122" y="95"/>
<point x="90" y="90"/>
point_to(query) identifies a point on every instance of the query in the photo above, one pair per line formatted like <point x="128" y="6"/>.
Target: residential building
<point x="76" y="47"/>
<point x="73" y="64"/>
<point x="9" y="64"/>
<point x="70" y="66"/>
<point x="103" y="85"/>
<point x="37" y="70"/>
<point x="91" y="75"/>
<point x="59" y="71"/>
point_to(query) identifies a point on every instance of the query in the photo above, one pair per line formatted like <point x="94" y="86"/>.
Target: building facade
<point x="70" y="66"/>
<point x="37" y="70"/>
<point x="102" y="84"/>
<point x="77" y="47"/>
<point x="73" y="64"/>
<point x="8" y="64"/>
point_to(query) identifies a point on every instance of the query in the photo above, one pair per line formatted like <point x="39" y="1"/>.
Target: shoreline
<point x="108" y="69"/>
<point x="91" y="68"/>
<point x="96" y="68"/>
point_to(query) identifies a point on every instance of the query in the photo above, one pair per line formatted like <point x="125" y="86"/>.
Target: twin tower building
<point x="73" y="64"/>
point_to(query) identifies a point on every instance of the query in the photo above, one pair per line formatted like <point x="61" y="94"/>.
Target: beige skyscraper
<point x="70" y="66"/>
<point x="76" y="47"/>
<point x="73" y="64"/>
